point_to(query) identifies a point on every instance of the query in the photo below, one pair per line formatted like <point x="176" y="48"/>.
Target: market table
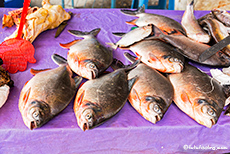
<point x="127" y="131"/>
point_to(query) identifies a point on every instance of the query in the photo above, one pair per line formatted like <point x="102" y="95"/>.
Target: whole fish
<point x="99" y="99"/>
<point x="198" y="95"/>
<point x="192" y="49"/>
<point x="159" y="55"/>
<point x="222" y="15"/>
<point x="164" y="23"/>
<point x="46" y="95"/>
<point x="218" y="31"/>
<point x="88" y="57"/>
<point x="133" y="36"/>
<point x="192" y="27"/>
<point x="152" y="93"/>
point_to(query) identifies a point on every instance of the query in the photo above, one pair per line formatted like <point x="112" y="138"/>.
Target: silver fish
<point x="159" y="55"/>
<point x="164" y="23"/>
<point x="133" y="36"/>
<point x="192" y="27"/>
<point x="151" y="94"/>
<point x="88" y="57"/>
<point x="46" y="95"/>
<point x="198" y="95"/>
<point x="99" y="99"/>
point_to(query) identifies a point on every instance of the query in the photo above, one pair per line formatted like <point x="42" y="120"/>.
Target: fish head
<point x="172" y="64"/>
<point x="89" y="116"/>
<point x="154" y="108"/>
<point x="38" y="113"/>
<point x="89" y="69"/>
<point x="206" y="112"/>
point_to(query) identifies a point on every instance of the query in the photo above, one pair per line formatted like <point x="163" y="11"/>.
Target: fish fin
<point x="134" y="12"/>
<point x="116" y="64"/>
<point x="133" y="65"/>
<point x="68" y="45"/>
<point x="152" y="58"/>
<point x="59" y="60"/>
<point x="191" y="3"/>
<point x="131" y="82"/>
<point x="157" y="34"/>
<point x="79" y="100"/>
<point x="112" y="45"/>
<point x="77" y="33"/>
<point x="77" y="80"/>
<point x="36" y="71"/>
<point x="26" y="96"/>
<point x="135" y="96"/>
<point x="184" y="97"/>
<point x="132" y="22"/>
<point x="130" y="57"/>
<point x="119" y="34"/>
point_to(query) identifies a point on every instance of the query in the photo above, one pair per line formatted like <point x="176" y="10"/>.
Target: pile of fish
<point x="159" y="73"/>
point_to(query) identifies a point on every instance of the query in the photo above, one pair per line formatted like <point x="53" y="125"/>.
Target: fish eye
<point x="88" y="116"/>
<point x="211" y="112"/>
<point x="208" y="110"/>
<point x="156" y="108"/>
<point x="91" y="66"/>
<point x="36" y="115"/>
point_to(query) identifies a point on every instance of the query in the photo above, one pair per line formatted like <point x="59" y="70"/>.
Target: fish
<point x="164" y="23"/>
<point x="133" y="36"/>
<point x="151" y="94"/>
<point x="192" y="27"/>
<point x="99" y="99"/>
<point x="159" y="55"/>
<point x="192" y="49"/>
<point x="47" y="94"/>
<point x="198" y="95"/>
<point x="218" y="31"/>
<point x="88" y="57"/>
<point x="222" y="15"/>
<point x="5" y="84"/>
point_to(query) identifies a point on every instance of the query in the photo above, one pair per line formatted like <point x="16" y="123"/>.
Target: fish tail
<point x="191" y="3"/>
<point x="130" y="57"/>
<point x="158" y="34"/>
<point x="133" y="65"/>
<point x="59" y="60"/>
<point x="134" y="12"/>
<point x="78" y="33"/>
<point x="116" y="64"/>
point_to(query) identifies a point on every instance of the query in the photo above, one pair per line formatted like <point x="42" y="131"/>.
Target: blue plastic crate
<point x="13" y="3"/>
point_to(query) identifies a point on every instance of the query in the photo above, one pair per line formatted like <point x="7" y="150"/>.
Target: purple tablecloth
<point x="126" y="132"/>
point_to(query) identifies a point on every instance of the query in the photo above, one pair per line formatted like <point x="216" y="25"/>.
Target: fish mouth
<point x="158" y="118"/>
<point x="94" y="74"/>
<point x="33" y="125"/>
<point x="213" y="122"/>
<point x="85" y="126"/>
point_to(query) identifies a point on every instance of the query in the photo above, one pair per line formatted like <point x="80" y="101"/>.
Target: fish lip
<point x="94" y="74"/>
<point x="158" y="118"/>
<point x="33" y="125"/>
<point x="213" y="122"/>
<point x="85" y="126"/>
